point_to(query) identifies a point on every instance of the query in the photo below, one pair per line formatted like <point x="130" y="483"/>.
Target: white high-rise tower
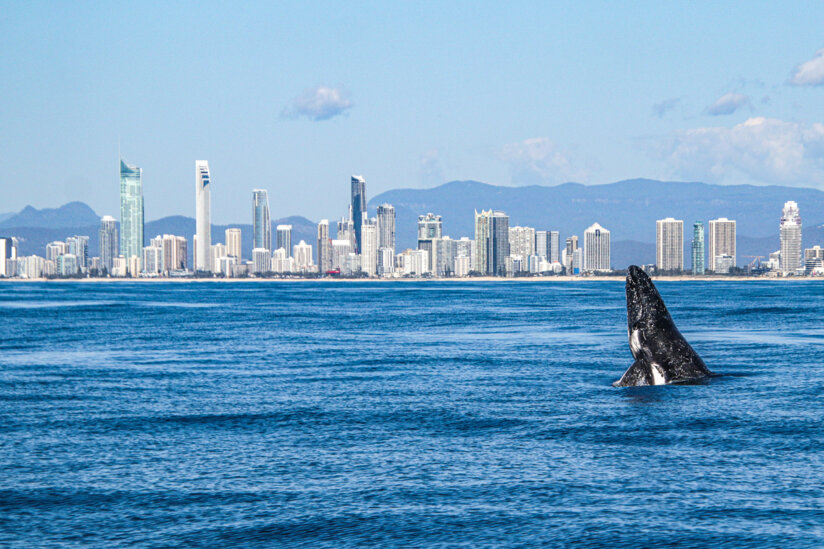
<point x="386" y="227"/>
<point x="108" y="242"/>
<point x="790" y="232"/>
<point x="203" y="217"/>
<point x="596" y="248"/>
<point x="722" y="240"/>
<point x="669" y="244"/>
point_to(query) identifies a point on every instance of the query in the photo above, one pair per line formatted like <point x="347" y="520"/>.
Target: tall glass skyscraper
<point x="203" y="222"/>
<point x="131" y="211"/>
<point x="261" y="224"/>
<point x="358" y="207"/>
<point x="698" y="248"/>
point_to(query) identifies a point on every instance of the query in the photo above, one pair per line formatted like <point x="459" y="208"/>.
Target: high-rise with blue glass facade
<point x="131" y="210"/>
<point x="358" y="207"/>
<point x="261" y="225"/>
<point x="698" y="248"/>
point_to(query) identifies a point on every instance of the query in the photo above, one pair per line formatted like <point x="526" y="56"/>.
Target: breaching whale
<point x="661" y="353"/>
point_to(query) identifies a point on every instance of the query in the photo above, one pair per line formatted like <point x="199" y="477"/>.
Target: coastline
<point x="544" y="279"/>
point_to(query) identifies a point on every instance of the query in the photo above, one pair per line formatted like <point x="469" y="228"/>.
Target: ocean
<point x="409" y="414"/>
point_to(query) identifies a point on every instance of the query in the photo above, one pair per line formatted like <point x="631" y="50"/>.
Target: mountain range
<point x="628" y="209"/>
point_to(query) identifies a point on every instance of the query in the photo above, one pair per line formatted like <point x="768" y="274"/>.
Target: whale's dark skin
<point x="661" y="353"/>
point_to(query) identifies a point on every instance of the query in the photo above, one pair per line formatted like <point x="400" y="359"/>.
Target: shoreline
<point x="544" y="279"/>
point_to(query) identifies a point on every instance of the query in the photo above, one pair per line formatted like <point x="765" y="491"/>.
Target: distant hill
<point x="628" y="209"/>
<point x="5" y="216"/>
<point x="73" y="214"/>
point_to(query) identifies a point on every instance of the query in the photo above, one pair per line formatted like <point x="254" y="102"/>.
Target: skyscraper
<point x="571" y="245"/>
<point x="233" y="243"/>
<point x="386" y="261"/>
<point x="261" y="261"/>
<point x="108" y="242"/>
<point x="79" y="247"/>
<point x="324" y="247"/>
<point x="56" y="249"/>
<point x="554" y="247"/>
<point x="369" y="252"/>
<point x="285" y="239"/>
<point x="217" y="252"/>
<point x="174" y="252"/>
<point x="522" y="244"/>
<point x="346" y="230"/>
<point x="542" y="243"/>
<point x="790" y="233"/>
<point x="386" y="227"/>
<point x="498" y="243"/>
<point x="152" y="260"/>
<point x="596" y="254"/>
<point x="182" y="252"/>
<point x="261" y="224"/>
<point x="131" y="210"/>
<point x="722" y="240"/>
<point x="430" y="229"/>
<point x="302" y="254"/>
<point x="669" y="245"/>
<point x="481" y="241"/>
<point x="444" y="251"/>
<point x="203" y="221"/>
<point x="697" y="248"/>
<point x="358" y="207"/>
<point x="8" y="252"/>
<point x="341" y="249"/>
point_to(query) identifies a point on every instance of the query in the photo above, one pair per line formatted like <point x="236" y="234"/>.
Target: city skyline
<point x="367" y="247"/>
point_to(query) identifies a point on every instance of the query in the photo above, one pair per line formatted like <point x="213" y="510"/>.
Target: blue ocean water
<point x="404" y="414"/>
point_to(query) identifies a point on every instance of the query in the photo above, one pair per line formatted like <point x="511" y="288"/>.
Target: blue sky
<point x="296" y="97"/>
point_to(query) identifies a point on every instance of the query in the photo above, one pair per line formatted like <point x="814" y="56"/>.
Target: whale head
<point x="646" y="312"/>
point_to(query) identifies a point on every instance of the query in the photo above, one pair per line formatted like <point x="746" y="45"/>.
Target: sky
<point x="296" y="97"/>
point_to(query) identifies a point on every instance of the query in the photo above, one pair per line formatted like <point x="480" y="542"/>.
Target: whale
<point x="662" y="355"/>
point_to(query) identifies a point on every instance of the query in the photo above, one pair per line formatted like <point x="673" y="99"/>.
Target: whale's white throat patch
<point x="635" y="342"/>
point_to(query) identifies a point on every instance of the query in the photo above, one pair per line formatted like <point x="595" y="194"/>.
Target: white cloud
<point x="320" y="103"/>
<point x="429" y="165"/>
<point x="665" y="106"/>
<point x="539" y="160"/>
<point x="760" y="150"/>
<point x="727" y="104"/>
<point x="810" y="73"/>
